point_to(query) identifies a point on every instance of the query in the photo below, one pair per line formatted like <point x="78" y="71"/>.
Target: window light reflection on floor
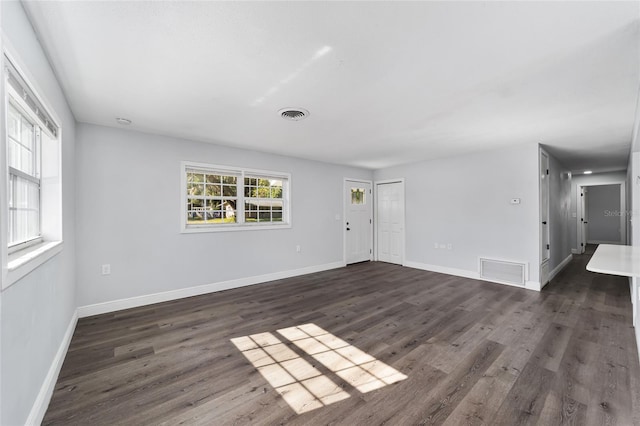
<point x="299" y="383"/>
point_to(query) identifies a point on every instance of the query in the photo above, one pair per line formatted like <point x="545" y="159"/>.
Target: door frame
<point x="375" y="218"/>
<point x="623" y="206"/>
<point x="543" y="264"/>
<point x="544" y="228"/>
<point x="344" y="216"/>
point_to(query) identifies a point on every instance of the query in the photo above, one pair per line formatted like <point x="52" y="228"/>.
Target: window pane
<point x="28" y="134"/>
<point x="14" y="153"/>
<point x="195" y="189"/>
<point x="214" y="205"/>
<point x="195" y="177"/>
<point x="24" y="213"/>
<point x="229" y="180"/>
<point x="264" y="217"/>
<point x="229" y="208"/>
<point x="276" y="216"/>
<point x="195" y="216"/>
<point x="194" y="203"/>
<point x="251" y="216"/>
<point x="276" y="192"/>
<point x="229" y="191"/>
<point x="13" y="124"/>
<point x="213" y="190"/>
<point x="214" y="179"/>
<point x="27" y="162"/>
<point x="357" y="195"/>
<point x="214" y="216"/>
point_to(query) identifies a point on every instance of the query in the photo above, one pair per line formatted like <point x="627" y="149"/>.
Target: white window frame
<point x="20" y="259"/>
<point x="240" y="225"/>
<point x="14" y="100"/>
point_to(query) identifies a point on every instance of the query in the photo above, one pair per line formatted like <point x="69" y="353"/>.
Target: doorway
<point x="390" y="221"/>
<point x="601" y="214"/>
<point x="358" y="214"/>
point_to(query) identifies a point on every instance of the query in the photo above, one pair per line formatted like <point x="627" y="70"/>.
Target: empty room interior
<point x="303" y="213"/>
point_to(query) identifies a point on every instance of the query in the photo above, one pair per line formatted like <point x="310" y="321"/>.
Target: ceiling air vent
<point x="294" y="114"/>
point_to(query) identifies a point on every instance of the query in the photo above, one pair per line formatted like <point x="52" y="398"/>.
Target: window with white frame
<point x="223" y="198"/>
<point x="23" y="154"/>
<point x="32" y="148"/>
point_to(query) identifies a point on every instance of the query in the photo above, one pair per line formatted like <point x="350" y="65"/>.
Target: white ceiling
<point x="386" y="82"/>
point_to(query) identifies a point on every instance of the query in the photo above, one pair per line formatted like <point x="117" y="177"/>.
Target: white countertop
<point x="616" y="260"/>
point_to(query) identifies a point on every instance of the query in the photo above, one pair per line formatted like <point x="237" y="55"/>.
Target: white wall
<point x="634" y="210"/>
<point x="603" y="211"/>
<point x="560" y="220"/>
<point x="36" y="311"/>
<point x="590" y="180"/>
<point x="129" y="217"/>
<point x="465" y="201"/>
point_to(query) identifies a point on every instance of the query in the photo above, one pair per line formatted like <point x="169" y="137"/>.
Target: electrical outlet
<point x="298" y="250"/>
<point x="449" y="246"/>
<point x="106" y="269"/>
<point x="443" y="246"/>
<point x="435" y="246"/>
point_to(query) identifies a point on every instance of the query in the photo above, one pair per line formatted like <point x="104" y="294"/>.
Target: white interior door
<point x="358" y="221"/>
<point x="390" y="222"/>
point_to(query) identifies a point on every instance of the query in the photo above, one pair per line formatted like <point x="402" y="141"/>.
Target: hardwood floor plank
<point x="524" y="402"/>
<point x="473" y="353"/>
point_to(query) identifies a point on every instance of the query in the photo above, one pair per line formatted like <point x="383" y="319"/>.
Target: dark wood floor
<point x="473" y="353"/>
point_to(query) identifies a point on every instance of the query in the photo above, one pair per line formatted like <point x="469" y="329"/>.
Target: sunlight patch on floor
<point x="299" y="383"/>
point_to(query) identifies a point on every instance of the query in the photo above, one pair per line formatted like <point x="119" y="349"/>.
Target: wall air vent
<point x="514" y="273"/>
<point x="294" y="114"/>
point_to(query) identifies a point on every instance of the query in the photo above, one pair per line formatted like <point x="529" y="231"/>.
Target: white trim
<point x="560" y="267"/>
<point x="133" y="302"/>
<point x="404" y="216"/>
<point x="529" y="285"/>
<point x="344" y="216"/>
<point x="542" y="228"/>
<point x="40" y="405"/>
<point x="23" y="262"/>
<point x="575" y="251"/>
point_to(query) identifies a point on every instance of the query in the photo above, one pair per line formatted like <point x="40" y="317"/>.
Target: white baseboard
<point x="529" y="285"/>
<point x="560" y="267"/>
<point x="41" y="403"/>
<point x="576" y="251"/>
<point x="149" y="299"/>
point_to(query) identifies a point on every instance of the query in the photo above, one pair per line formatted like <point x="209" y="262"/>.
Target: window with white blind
<point x="221" y="198"/>
<point x="33" y="207"/>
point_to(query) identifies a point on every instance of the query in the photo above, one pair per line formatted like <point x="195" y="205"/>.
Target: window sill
<point x="204" y="228"/>
<point x="24" y="261"/>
